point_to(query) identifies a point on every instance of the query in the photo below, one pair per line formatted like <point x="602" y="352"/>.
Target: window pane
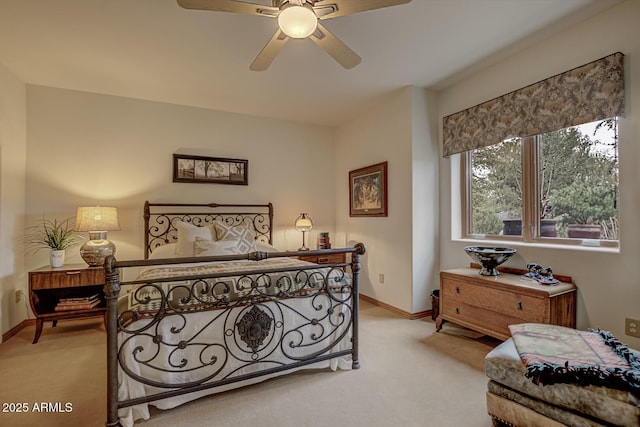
<point x="496" y="189"/>
<point x="578" y="180"/>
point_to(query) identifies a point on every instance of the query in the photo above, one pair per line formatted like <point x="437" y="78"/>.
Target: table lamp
<point x="304" y="224"/>
<point x="97" y="220"/>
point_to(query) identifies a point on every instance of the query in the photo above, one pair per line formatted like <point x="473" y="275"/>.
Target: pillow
<point x="265" y="247"/>
<point x="187" y="234"/>
<point x="215" y="248"/>
<point x="245" y="236"/>
<point x="164" y="251"/>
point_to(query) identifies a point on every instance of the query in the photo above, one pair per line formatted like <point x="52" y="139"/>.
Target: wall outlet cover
<point x="632" y="327"/>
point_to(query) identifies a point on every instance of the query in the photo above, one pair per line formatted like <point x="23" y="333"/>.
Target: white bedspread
<point x="172" y="351"/>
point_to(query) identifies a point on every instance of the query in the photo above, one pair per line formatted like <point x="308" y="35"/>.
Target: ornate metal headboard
<point x="159" y="220"/>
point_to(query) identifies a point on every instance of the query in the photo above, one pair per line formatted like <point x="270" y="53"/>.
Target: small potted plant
<point x="54" y="235"/>
<point x="583" y="207"/>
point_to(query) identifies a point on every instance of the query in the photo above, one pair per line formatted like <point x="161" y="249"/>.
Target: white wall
<point x="396" y="131"/>
<point x="12" y="197"/>
<point x="608" y="283"/>
<point x="425" y="209"/>
<point x="87" y="149"/>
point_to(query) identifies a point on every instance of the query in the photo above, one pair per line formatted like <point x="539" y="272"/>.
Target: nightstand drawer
<point x="52" y="279"/>
<point x="325" y="259"/>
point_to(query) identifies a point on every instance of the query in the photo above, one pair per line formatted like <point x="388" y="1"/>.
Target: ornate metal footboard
<point x="183" y="333"/>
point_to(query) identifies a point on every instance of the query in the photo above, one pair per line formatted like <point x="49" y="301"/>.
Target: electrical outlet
<point x="19" y="295"/>
<point x="632" y="327"/>
<point x="381" y="278"/>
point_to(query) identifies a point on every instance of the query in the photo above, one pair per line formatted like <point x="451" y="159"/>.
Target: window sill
<point x="539" y="245"/>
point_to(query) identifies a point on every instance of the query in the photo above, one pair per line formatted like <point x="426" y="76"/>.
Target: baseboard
<point x="405" y="314"/>
<point x="20" y="326"/>
<point x="412" y="316"/>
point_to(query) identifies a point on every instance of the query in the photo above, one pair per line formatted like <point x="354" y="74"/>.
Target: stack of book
<point x="80" y="303"/>
<point x="323" y="240"/>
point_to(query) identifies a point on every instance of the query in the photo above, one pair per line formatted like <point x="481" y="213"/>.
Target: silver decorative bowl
<point x="489" y="258"/>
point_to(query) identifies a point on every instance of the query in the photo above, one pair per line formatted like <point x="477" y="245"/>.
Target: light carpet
<point x="409" y="376"/>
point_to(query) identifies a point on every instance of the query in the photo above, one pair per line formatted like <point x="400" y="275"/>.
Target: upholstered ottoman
<point x="513" y="399"/>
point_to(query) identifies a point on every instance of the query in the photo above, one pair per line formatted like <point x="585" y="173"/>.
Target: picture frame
<point x="368" y="191"/>
<point x="210" y="170"/>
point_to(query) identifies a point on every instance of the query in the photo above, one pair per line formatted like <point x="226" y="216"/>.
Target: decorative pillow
<point x="187" y="234"/>
<point x="245" y="236"/>
<point x="164" y="251"/>
<point x="215" y="248"/>
<point x="265" y="247"/>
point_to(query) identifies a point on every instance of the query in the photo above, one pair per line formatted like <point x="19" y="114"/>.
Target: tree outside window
<point x="577" y="182"/>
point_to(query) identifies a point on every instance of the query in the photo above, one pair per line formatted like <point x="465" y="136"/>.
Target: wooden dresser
<point x="489" y="304"/>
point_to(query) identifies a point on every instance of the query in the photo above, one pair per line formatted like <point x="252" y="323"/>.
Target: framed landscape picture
<point x="210" y="170"/>
<point x="368" y="191"/>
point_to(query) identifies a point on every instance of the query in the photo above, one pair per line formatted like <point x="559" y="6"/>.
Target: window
<point x="557" y="187"/>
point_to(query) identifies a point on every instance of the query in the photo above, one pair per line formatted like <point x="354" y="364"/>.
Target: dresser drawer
<point x="66" y="279"/>
<point x="478" y="318"/>
<point x="511" y="304"/>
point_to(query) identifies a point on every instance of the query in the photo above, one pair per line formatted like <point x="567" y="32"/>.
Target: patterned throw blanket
<point x="555" y="354"/>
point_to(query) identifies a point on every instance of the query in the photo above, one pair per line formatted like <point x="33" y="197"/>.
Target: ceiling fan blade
<point x="327" y="9"/>
<point x="269" y="52"/>
<point x="334" y="47"/>
<point x="230" y="6"/>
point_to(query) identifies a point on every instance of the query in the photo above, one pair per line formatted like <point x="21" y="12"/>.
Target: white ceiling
<point x="155" y="50"/>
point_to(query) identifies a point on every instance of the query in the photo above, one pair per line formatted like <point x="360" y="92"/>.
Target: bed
<point x="214" y="306"/>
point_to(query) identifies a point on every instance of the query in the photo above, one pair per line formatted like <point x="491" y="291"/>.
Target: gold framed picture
<point x="368" y="191"/>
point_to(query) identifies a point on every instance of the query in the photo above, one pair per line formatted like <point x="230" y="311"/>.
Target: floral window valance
<point x="594" y="91"/>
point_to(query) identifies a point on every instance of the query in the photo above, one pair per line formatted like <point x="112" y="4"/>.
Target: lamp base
<point x="303" y="247"/>
<point x="95" y="250"/>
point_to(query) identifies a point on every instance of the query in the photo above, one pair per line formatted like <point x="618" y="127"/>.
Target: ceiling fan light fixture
<point x="297" y="22"/>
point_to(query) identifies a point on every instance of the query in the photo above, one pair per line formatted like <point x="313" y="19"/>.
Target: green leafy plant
<point x="51" y="234"/>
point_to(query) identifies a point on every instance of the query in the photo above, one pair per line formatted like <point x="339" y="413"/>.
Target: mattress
<point x="567" y="403"/>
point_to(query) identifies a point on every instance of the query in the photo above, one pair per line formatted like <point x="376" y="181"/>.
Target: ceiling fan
<point x="298" y="19"/>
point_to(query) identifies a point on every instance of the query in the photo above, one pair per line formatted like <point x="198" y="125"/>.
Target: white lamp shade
<point x="304" y="222"/>
<point x="97" y="218"/>
<point x="297" y="22"/>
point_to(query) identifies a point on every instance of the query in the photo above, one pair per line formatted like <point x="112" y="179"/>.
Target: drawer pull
<point x="519" y="304"/>
<point x="72" y="273"/>
<point x="457" y="310"/>
<point x="324" y="260"/>
<point x="457" y="289"/>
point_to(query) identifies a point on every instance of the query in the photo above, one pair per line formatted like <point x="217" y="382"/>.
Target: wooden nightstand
<point x="325" y="259"/>
<point x="48" y="285"/>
